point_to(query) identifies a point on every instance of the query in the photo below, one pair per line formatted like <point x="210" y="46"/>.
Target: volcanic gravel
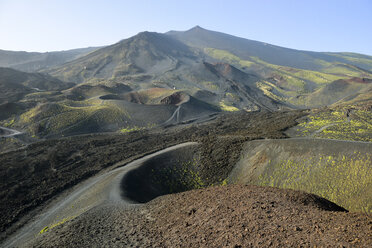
<point x="32" y="176"/>
<point x="223" y="216"/>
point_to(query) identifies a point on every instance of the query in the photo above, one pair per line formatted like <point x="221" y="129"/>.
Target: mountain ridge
<point x="36" y="61"/>
<point x="151" y="72"/>
<point x="174" y="60"/>
<point x="200" y="37"/>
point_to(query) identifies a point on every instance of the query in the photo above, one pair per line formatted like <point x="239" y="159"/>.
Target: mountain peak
<point x="146" y="34"/>
<point x="197" y="28"/>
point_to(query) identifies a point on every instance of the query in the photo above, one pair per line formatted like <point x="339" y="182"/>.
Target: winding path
<point x="321" y="129"/>
<point x="95" y="191"/>
<point x="9" y="132"/>
<point x="175" y="116"/>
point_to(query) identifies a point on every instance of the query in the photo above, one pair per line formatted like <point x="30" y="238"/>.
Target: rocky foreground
<point x="32" y="176"/>
<point x="224" y="216"/>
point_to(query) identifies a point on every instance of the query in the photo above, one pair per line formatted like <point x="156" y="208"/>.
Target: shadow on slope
<point x="171" y="172"/>
<point x="14" y="85"/>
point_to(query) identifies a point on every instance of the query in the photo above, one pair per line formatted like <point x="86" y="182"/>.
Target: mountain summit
<point x="228" y="72"/>
<point x="147" y="52"/>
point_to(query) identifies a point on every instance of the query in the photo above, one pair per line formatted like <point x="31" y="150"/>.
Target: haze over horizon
<point x="331" y="26"/>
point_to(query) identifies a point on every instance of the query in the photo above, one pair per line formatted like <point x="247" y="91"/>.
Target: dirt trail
<point x="327" y="126"/>
<point x="321" y="129"/>
<point x="293" y="132"/>
<point x="175" y="116"/>
<point x="11" y="132"/>
<point x="95" y="191"/>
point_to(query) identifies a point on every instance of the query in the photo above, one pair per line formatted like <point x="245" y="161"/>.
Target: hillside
<point x="152" y="116"/>
<point x="150" y="60"/>
<point x="309" y="165"/>
<point x="16" y="85"/>
<point x="144" y="81"/>
<point x="261" y="76"/>
<point x="64" y="162"/>
<point x="287" y="75"/>
<point x="96" y="203"/>
<point x="42" y="106"/>
<point x="228" y="216"/>
<point x="145" y="53"/>
<point x="246" y="49"/>
<point x="34" y="61"/>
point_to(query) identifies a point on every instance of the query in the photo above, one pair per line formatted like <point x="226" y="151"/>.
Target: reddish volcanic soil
<point x="224" y="216"/>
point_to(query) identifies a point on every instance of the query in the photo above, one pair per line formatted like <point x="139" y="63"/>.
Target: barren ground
<point x="224" y="216"/>
<point x="30" y="177"/>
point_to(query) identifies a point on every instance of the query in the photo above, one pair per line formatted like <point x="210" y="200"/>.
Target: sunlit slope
<point x="236" y="73"/>
<point x="339" y="91"/>
<point x="45" y="107"/>
<point x="340" y="171"/>
<point x="341" y="122"/>
<point x="245" y="49"/>
<point x="108" y="111"/>
<point x="287" y="75"/>
<point x="153" y="60"/>
<point x="299" y="87"/>
<point x="94" y="115"/>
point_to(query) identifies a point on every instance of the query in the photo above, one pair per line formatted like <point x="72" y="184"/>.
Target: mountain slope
<point x="262" y="76"/>
<point x="150" y="60"/>
<point x="339" y="91"/>
<point x="34" y="61"/>
<point x="245" y="49"/>
<point x="122" y="86"/>
<point x="288" y="76"/>
<point x="145" y="53"/>
<point x="16" y="84"/>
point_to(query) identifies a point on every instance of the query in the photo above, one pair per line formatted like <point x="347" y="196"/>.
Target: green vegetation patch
<point x="210" y="85"/>
<point x="268" y="88"/>
<point x="131" y="129"/>
<point x="179" y="178"/>
<point x="297" y="76"/>
<point x="228" y="57"/>
<point x="345" y="69"/>
<point x="292" y="81"/>
<point x="229" y="108"/>
<point x="9" y="123"/>
<point x="345" y="180"/>
<point x="355" y="58"/>
<point x="59" y="117"/>
<point x="334" y="124"/>
<point x="47" y="228"/>
<point x="136" y="128"/>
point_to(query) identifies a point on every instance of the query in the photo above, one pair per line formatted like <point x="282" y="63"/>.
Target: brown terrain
<point x="129" y="145"/>
<point x="31" y="176"/>
<point x="224" y="216"/>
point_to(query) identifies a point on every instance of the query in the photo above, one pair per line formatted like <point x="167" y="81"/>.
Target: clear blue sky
<point x="318" y="25"/>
